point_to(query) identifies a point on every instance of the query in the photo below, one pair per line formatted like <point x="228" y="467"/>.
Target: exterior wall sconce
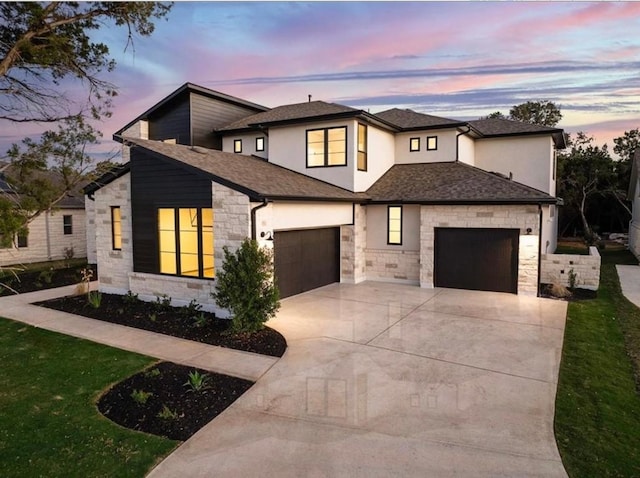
<point x="528" y="231"/>
<point x="267" y="236"/>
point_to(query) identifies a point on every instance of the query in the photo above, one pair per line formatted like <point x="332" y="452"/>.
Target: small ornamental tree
<point x="246" y="288"/>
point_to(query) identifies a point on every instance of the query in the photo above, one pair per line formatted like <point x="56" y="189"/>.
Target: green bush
<point x="246" y="288"/>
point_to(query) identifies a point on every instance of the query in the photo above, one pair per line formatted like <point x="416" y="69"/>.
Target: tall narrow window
<point x="259" y="144"/>
<point x="116" y="228"/>
<point x="394" y="225"/>
<point x="186" y="241"/>
<point x="327" y="147"/>
<point x="237" y="146"/>
<point x="414" y="144"/>
<point x="67" y="224"/>
<point x="23" y="239"/>
<point x="432" y="143"/>
<point x="362" y="147"/>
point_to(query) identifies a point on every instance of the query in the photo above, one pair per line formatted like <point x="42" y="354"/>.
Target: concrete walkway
<point x="385" y="380"/>
<point x="186" y="352"/>
<point x="630" y="282"/>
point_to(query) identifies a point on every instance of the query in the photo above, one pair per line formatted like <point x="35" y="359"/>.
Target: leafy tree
<point x="245" y="287"/>
<point x="626" y="144"/>
<point x="584" y="172"/>
<point x="495" y="114"/>
<point x="43" y="45"/>
<point x="544" y="113"/>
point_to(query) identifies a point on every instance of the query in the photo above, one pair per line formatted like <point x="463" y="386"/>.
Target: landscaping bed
<point x="31" y="278"/>
<point x="575" y="294"/>
<point x="171" y="400"/>
<point x="186" y="322"/>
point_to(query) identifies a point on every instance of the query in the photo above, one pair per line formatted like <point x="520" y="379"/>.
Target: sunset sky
<point x="460" y="60"/>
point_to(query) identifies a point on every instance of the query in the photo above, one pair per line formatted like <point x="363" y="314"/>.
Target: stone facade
<point x="490" y="216"/>
<point x="90" y="227"/>
<point x="556" y="269"/>
<point x="353" y="241"/>
<point x="389" y="265"/>
<point x="47" y="241"/>
<point x="231" y="220"/>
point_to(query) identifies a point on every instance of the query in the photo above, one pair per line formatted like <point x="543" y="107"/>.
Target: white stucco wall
<point x="377" y="228"/>
<point x="248" y="144"/>
<point x="301" y="215"/>
<point x="549" y="228"/>
<point x="446" y="147"/>
<point x="467" y="150"/>
<point x="530" y="159"/>
<point x="380" y="157"/>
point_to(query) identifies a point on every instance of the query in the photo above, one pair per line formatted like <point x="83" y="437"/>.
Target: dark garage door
<point x="306" y="259"/>
<point x="477" y="259"/>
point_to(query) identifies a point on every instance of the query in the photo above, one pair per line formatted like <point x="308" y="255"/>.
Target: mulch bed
<point x="172" y="408"/>
<point x="577" y="294"/>
<point x="185" y="322"/>
<point x="39" y="280"/>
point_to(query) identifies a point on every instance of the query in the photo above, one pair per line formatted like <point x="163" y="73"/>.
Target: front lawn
<point x="50" y="424"/>
<point x="597" y="421"/>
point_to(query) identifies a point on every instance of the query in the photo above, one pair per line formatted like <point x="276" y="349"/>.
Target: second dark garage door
<point x="306" y="259"/>
<point x="477" y="259"/>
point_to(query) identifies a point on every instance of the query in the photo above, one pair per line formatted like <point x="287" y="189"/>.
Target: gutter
<point x="457" y="142"/>
<point x="253" y="217"/>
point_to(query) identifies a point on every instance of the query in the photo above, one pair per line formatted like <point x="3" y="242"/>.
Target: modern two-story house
<point x="340" y="194"/>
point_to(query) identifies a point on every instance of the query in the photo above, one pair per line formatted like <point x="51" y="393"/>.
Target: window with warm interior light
<point x="186" y="241"/>
<point x="237" y="146"/>
<point x="327" y="147"/>
<point x="394" y="225"/>
<point x="432" y="143"/>
<point x="116" y="228"/>
<point x="362" y="147"/>
<point x="414" y="144"/>
<point x="259" y="144"/>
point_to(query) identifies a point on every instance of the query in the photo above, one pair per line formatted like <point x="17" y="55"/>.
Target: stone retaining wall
<point x="556" y="269"/>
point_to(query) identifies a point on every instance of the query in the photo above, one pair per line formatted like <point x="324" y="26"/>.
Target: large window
<point x="186" y="241"/>
<point x="362" y="147"/>
<point x="327" y="147"/>
<point x="116" y="228"/>
<point x="67" y="224"/>
<point x="394" y="225"/>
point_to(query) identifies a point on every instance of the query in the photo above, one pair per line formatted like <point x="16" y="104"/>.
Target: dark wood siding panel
<point x="208" y="114"/>
<point x="159" y="183"/>
<point x="477" y="259"/>
<point x="172" y="122"/>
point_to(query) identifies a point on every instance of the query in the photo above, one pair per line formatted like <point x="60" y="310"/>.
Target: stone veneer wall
<point x="90" y="211"/>
<point x="556" y="268"/>
<point x="389" y="265"/>
<point x="353" y="241"/>
<point x="512" y="217"/>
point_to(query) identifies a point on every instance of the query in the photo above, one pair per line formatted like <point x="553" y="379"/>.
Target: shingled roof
<point x="495" y="127"/>
<point x="409" y="120"/>
<point x="255" y="177"/>
<point x="451" y="183"/>
<point x="283" y="114"/>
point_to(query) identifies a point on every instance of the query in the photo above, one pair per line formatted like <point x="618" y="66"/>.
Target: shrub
<point x="140" y="396"/>
<point x="197" y="381"/>
<point x="94" y="298"/>
<point x="245" y="287"/>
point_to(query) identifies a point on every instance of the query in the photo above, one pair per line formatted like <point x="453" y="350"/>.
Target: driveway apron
<point x="392" y="380"/>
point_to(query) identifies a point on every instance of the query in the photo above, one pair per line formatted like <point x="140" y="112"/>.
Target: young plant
<point x="153" y="316"/>
<point x="200" y="320"/>
<point x="94" y="298"/>
<point x="163" y="303"/>
<point x="197" y="381"/>
<point x="140" y="396"/>
<point x="152" y="373"/>
<point x="46" y="276"/>
<point x="130" y="298"/>
<point x="87" y="277"/>
<point x="167" y="414"/>
<point x="572" y="279"/>
<point x="191" y="310"/>
<point x="246" y="287"/>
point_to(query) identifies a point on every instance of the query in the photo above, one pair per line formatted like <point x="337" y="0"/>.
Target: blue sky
<point x="460" y="60"/>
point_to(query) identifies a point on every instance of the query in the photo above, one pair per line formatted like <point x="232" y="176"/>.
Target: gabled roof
<point x="451" y="183"/>
<point x="311" y="110"/>
<point x="409" y="120"/>
<point x="73" y="200"/>
<point x="633" y="180"/>
<point x="497" y="127"/>
<point x="255" y="177"/>
<point x="185" y="90"/>
<point x="107" y="177"/>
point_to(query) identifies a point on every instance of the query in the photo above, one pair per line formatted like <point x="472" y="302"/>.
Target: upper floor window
<point x="23" y="239"/>
<point x="116" y="228"/>
<point x="186" y="241"/>
<point x="327" y="147"/>
<point x="260" y="144"/>
<point x="414" y="144"/>
<point x="67" y="224"/>
<point x="237" y="146"/>
<point x="394" y="225"/>
<point x="432" y="143"/>
<point x="362" y="147"/>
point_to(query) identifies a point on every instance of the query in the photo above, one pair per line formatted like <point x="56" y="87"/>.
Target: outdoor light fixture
<point x="267" y="235"/>
<point x="528" y="231"/>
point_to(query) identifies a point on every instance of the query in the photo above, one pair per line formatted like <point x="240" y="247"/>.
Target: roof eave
<point x="465" y="202"/>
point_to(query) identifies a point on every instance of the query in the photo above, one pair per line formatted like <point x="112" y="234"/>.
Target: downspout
<point x="539" y="248"/>
<point x="253" y="217"/>
<point x="457" y="142"/>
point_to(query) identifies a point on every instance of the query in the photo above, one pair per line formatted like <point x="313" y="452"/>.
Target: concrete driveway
<point x="390" y="380"/>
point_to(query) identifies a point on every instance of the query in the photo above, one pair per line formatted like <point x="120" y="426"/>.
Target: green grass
<point x="597" y="420"/>
<point x="50" y="425"/>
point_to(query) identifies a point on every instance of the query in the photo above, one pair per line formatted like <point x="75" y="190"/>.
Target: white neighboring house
<point x="340" y="194"/>
<point x="634" y="196"/>
<point x="52" y="235"/>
